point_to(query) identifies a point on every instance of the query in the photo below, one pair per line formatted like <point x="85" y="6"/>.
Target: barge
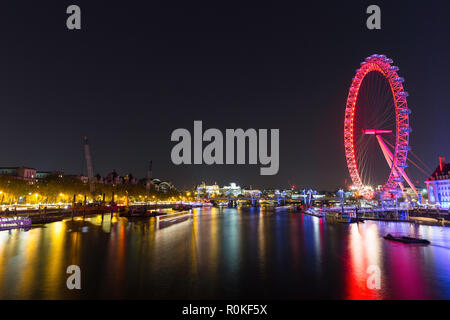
<point x="14" y="223"/>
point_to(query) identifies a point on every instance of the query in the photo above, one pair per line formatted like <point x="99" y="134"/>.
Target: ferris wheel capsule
<point x="405" y="111"/>
<point x="398" y="180"/>
<point x="404" y="148"/>
<point x="406" y="130"/>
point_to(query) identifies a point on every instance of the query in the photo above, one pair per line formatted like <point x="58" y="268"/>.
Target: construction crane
<point x="90" y="168"/>
<point x="149" y="177"/>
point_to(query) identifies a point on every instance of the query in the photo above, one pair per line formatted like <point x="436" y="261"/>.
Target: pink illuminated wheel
<point x="377" y="66"/>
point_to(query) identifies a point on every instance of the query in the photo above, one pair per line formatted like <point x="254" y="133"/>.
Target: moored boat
<point x="42" y="219"/>
<point x="313" y="212"/>
<point x="173" y="218"/>
<point x="14" y="223"/>
<point x="404" y="239"/>
<point x="182" y="207"/>
<point x="336" y="217"/>
<point x="140" y="214"/>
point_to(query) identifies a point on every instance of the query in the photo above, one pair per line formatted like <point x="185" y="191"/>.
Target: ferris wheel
<point x="377" y="117"/>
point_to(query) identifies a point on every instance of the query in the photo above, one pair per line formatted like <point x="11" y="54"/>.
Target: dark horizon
<point x="136" y="72"/>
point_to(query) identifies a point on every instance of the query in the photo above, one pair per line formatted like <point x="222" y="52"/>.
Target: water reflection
<point x="224" y="253"/>
<point x="363" y="252"/>
<point x="29" y="249"/>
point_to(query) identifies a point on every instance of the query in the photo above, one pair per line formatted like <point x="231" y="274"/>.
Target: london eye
<point x="377" y="129"/>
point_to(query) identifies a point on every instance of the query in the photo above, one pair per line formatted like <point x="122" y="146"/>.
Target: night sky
<point x="140" y="69"/>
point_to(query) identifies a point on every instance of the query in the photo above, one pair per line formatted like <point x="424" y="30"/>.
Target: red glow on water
<point x="407" y="279"/>
<point x="363" y="252"/>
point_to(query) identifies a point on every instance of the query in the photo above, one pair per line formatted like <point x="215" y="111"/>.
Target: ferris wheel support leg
<point x="388" y="155"/>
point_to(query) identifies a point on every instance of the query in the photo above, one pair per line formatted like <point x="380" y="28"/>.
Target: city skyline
<point x="146" y="78"/>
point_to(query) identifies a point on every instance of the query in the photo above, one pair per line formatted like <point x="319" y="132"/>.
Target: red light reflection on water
<point x="401" y="274"/>
<point x="364" y="251"/>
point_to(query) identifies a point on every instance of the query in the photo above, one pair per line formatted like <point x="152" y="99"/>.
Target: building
<point x="82" y="178"/>
<point x="46" y="174"/>
<point x="162" y="186"/>
<point x="113" y="178"/>
<point x="23" y="173"/>
<point x="165" y="186"/>
<point x="232" y="190"/>
<point x="438" y="185"/>
<point x="99" y="179"/>
<point x="251" y="193"/>
<point x="208" y="190"/>
<point x="43" y="174"/>
<point x="129" y="179"/>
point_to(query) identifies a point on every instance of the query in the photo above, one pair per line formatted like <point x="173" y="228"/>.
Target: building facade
<point x="24" y="173"/>
<point x="438" y="185"/>
<point x="208" y="190"/>
<point x="46" y="174"/>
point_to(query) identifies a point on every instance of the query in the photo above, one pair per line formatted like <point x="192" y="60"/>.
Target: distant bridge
<point x="232" y="201"/>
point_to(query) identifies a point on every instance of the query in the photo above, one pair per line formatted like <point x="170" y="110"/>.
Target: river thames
<point x="224" y="254"/>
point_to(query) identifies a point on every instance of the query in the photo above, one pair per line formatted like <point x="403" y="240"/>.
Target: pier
<point x="48" y="215"/>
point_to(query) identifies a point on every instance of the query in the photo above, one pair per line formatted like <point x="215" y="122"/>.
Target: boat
<point x="336" y="217"/>
<point x="313" y="212"/>
<point x="182" y="207"/>
<point x="14" y="223"/>
<point x="43" y="219"/>
<point x="406" y="239"/>
<point x="140" y="214"/>
<point x="92" y="208"/>
<point x="170" y="219"/>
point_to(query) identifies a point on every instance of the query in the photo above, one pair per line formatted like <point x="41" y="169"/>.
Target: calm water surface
<point x="224" y="253"/>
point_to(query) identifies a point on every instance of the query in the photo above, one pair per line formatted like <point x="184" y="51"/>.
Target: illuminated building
<point x="232" y="190"/>
<point x="129" y="179"/>
<point x="46" y="174"/>
<point x="251" y="193"/>
<point x="23" y="173"/>
<point x="204" y="189"/>
<point x="163" y="186"/>
<point x="438" y="185"/>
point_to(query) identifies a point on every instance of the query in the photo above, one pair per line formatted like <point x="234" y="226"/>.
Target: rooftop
<point x="442" y="172"/>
